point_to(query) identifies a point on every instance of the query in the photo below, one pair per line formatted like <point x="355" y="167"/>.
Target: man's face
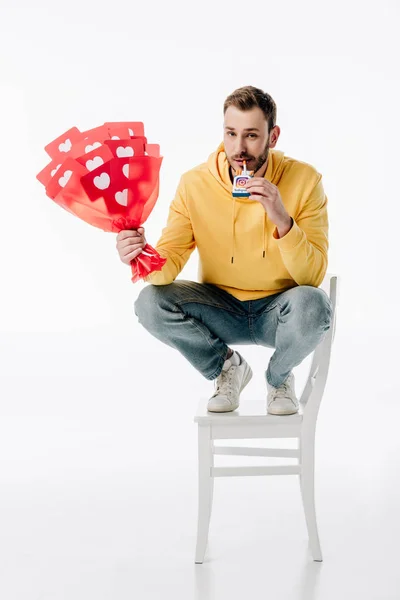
<point x="246" y="138"/>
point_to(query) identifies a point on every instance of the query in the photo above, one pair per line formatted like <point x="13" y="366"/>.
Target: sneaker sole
<point x="282" y="412"/>
<point x="248" y="374"/>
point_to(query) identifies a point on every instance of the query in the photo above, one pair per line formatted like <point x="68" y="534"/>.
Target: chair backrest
<point x="317" y="377"/>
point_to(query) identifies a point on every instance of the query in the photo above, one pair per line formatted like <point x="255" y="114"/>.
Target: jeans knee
<point x="153" y="303"/>
<point x="146" y="304"/>
<point x="316" y="308"/>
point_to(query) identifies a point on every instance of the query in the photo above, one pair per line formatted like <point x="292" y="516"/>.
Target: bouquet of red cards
<point x="109" y="177"/>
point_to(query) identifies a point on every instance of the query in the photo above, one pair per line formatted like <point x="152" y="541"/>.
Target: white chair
<point x="249" y="422"/>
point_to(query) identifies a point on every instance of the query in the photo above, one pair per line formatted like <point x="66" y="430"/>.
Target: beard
<point x="257" y="161"/>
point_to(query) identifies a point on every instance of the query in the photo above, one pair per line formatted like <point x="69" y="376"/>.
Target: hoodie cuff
<point x="289" y="241"/>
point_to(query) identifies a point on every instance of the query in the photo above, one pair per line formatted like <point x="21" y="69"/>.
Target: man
<point x="261" y="260"/>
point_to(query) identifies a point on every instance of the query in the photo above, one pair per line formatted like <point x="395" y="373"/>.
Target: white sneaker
<point x="282" y="400"/>
<point x="228" y="385"/>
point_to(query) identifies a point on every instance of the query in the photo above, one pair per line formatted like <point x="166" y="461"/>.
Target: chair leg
<point x="308" y="494"/>
<point x="205" y="491"/>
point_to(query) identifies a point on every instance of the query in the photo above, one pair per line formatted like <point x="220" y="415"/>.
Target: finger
<point x="126" y="233"/>
<point x="257" y="183"/>
<point x="258" y="191"/>
<point x="131" y="248"/>
<point x="257" y="187"/>
<point x="130" y="240"/>
<point x="129" y="257"/>
<point x="256" y="179"/>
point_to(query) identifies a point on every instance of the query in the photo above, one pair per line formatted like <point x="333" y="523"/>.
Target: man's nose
<point x="240" y="147"/>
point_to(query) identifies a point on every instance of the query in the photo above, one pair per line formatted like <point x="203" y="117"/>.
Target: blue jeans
<point x="201" y="320"/>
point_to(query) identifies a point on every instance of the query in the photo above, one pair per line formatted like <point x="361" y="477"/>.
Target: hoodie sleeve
<point x="304" y="249"/>
<point x="177" y="242"/>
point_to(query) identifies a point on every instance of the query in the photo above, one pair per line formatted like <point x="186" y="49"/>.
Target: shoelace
<point x="281" y="390"/>
<point x="224" y="382"/>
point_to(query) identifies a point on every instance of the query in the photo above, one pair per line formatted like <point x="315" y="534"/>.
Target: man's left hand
<point x="268" y="195"/>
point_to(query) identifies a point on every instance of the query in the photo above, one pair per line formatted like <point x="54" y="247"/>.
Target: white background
<point x="89" y="402"/>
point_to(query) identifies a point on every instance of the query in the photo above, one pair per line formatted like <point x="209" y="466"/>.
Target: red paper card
<point x="63" y="175"/>
<point x="90" y="143"/>
<point x="61" y="146"/>
<point x="49" y="171"/>
<point x="152" y="150"/>
<point x="109" y="181"/>
<point x="97" y="157"/>
<point x="142" y="138"/>
<point x="136" y="127"/>
<point x="126" y="148"/>
<point x="97" y="183"/>
<point x="118" y="133"/>
<point x="117" y="130"/>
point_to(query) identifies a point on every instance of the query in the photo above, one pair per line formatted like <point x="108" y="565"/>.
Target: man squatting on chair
<point x="261" y="260"/>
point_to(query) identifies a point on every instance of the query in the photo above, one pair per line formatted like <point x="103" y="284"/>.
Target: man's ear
<point x="274" y="136"/>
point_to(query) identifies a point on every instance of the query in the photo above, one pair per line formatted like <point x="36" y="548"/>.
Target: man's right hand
<point x="130" y="243"/>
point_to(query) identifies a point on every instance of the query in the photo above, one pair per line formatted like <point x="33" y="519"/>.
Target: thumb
<point x="140" y="229"/>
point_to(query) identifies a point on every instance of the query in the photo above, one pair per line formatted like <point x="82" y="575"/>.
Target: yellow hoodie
<point x="238" y="245"/>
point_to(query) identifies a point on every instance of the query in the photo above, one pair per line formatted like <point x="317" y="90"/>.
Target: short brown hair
<point x="245" y="98"/>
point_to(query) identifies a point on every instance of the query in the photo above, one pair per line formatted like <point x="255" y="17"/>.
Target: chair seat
<point x="250" y="412"/>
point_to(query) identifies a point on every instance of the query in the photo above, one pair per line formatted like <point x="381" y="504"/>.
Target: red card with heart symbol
<point x="118" y="133"/>
<point x="137" y="138"/>
<point x="97" y="157"/>
<point x="139" y="173"/>
<point x="136" y="128"/>
<point x="61" y="146"/>
<point x="111" y="182"/>
<point x="49" y="171"/>
<point x="109" y="186"/>
<point x="97" y="183"/>
<point x="90" y="143"/>
<point x="126" y="148"/>
<point x="60" y="180"/>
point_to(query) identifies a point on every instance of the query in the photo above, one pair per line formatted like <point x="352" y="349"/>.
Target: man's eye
<point x="254" y="135"/>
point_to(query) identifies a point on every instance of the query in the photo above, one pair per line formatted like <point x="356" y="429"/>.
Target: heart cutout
<point x="65" y="178"/>
<point x="125" y="170"/>
<point x="95" y="162"/>
<point x="89" y="147"/>
<point x="54" y="171"/>
<point x="102" y="181"/>
<point x="121" y="151"/>
<point x="65" y="146"/>
<point x="122" y="197"/>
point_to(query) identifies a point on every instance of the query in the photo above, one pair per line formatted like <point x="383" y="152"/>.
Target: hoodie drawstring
<point x="233" y="228"/>
<point x="264" y="235"/>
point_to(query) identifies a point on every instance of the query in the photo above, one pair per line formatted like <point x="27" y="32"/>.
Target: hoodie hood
<point x="219" y="167"/>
